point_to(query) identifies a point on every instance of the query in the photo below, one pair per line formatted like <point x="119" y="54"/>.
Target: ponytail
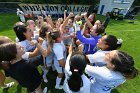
<point x="54" y="35"/>
<point x="131" y="73"/>
<point x="77" y="67"/>
<point x="75" y="81"/>
<point x="124" y="64"/>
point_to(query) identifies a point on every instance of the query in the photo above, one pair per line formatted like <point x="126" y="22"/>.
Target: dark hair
<point x="125" y="65"/>
<point x="54" y="35"/>
<point x="8" y="51"/>
<point x="3" y="40"/>
<point x="100" y="29"/>
<point x="43" y="30"/>
<point x="77" y="67"/>
<point x="19" y="30"/>
<point x="111" y="41"/>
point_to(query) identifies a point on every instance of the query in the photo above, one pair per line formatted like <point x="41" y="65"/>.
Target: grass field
<point x="129" y="32"/>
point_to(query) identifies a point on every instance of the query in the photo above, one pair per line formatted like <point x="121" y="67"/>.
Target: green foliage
<point x="9" y="0"/>
<point x="137" y="2"/>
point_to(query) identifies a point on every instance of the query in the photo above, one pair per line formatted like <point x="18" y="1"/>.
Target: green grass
<point x="129" y="32"/>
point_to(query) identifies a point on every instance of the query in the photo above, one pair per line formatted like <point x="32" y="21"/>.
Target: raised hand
<point x="71" y="15"/>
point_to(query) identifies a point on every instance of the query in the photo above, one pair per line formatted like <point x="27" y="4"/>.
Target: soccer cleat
<point x="45" y="90"/>
<point x="9" y="85"/>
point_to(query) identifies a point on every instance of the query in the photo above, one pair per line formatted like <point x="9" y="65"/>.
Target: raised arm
<point x="84" y="39"/>
<point x="87" y="21"/>
<point x="49" y="20"/>
<point x="106" y="22"/>
<point x="65" y="14"/>
<point x="66" y="21"/>
<point x="44" y="52"/>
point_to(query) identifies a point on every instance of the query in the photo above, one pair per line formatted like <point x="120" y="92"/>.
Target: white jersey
<point x="105" y="79"/>
<point x="86" y="82"/>
<point x="71" y="30"/>
<point x="36" y="35"/>
<point x="76" y="26"/>
<point x="21" y="15"/>
<point x="49" y="58"/>
<point x="68" y="41"/>
<point x="97" y="58"/>
<point x="59" y="52"/>
<point x="27" y="46"/>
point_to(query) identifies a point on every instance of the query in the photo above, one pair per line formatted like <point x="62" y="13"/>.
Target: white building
<point x="107" y="5"/>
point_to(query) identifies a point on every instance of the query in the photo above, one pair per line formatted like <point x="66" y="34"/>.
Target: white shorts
<point x="49" y="60"/>
<point x="59" y="69"/>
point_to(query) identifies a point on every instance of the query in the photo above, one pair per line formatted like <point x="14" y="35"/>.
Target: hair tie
<point x="75" y="70"/>
<point x="119" y="41"/>
<point x="4" y="61"/>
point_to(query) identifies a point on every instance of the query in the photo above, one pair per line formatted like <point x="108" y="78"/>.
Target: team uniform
<point x="25" y="73"/>
<point x="68" y="41"/>
<point x="97" y="58"/>
<point x="21" y="15"/>
<point x="89" y="43"/>
<point x="49" y="58"/>
<point x="86" y="82"/>
<point x="105" y="79"/>
<point x="27" y="46"/>
<point x="59" y="53"/>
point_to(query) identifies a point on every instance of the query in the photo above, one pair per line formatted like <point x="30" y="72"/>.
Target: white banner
<point x="53" y="8"/>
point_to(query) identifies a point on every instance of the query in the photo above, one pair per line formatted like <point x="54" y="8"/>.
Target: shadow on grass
<point x="51" y="76"/>
<point x="18" y="90"/>
<point x="115" y="91"/>
<point x="5" y="90"/>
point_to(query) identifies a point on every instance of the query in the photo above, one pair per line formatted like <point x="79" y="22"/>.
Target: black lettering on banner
<point x="86" y="8"/>
<point x="37" y="8"/>
<point x="70" y="8"/>
<point x="62" y="8"/>
<point x="43" y="8"/>
<point x="32" y="8"/>
<point x="66" y="7"/>
<point x="56" y="7"/>
<point x="26" y="8"/>
<point x="74" y="9"/>
<point x="51" y="8"/>
<point x="78" y="9"/>
<point x="82" y="9"/>
<point x="47" y="8"/>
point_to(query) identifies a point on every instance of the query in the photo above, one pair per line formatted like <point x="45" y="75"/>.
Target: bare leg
<point x="2" y="79"/>
<point x="39" y="89"/>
